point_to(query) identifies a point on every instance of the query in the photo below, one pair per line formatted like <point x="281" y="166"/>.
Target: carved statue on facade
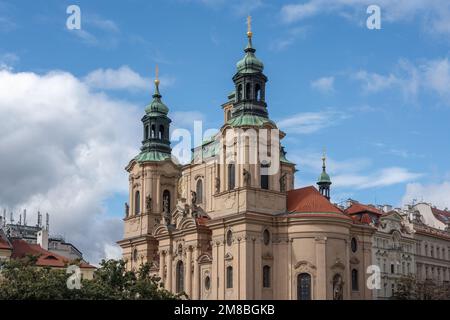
<point x="247" y="177"/>
<point x="166" y="205"/>
<point x="127" y="209"/>
<point x="337" y="287"/>
<point x="148" y="203"/>
<point x="193" y="198"/>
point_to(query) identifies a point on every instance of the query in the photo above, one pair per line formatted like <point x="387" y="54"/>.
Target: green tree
<point x="410" y="288"/>
<point x="21" y="279"/>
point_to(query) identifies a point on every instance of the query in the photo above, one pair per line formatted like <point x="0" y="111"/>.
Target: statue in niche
<point x="148" y="203"/>
<point x="283" y="183"/>
<point x="167" y="219"/>
<point x="127" y="209"/>
<point x="337" y="287"/>
<point x="193" y="198"/>
<point x="166" y="204"/>
<point x="247" y="177"/>
<point x="217" y="185"/>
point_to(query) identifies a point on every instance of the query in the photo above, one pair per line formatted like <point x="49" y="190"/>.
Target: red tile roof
<point x="357" y="207"/>
<point x="46" y="258"/>
<point x="309" y="200"/>
<point x="441" y="215"/>
<point x="4" y="243"/>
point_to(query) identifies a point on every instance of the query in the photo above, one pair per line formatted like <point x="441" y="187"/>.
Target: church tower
<point x="324" y="181"/>
<point x="153" y="177"/>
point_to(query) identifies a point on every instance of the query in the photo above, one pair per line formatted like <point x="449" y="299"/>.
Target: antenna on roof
<point x="47" y="221"/>
<point x="39" y="219"/>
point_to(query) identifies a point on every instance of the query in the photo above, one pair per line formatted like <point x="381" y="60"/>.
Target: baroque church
<point x="224" y="226"/>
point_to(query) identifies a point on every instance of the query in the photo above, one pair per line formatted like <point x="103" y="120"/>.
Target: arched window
<point x="137" y="203"/>
<point x="239" y="93"/>
<point x="135" y="255"/>
<point x="257" y="92"/>
<point x="231" y="176"/>
<point x="229" y="277"/>
<point x="146" y="132"/>
<point x="161" y="131"/>
<point x="264" y="177"/>
<point x="199" y="191"/>
<point x="153" y="131"/>
<point x="166" y="201"/>
<point x="180" y="277"/>
<point x="228" y="115"/>
<point x="355" y="286"/>
<point x="247" y="91"/>
<point x="266" y="277"/>
<point x="304" y="286"/>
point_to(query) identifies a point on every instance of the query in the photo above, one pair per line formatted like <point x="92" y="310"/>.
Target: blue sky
<point x="377" y="100"/>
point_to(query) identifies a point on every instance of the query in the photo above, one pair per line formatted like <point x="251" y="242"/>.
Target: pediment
<point x="338" y="265"/>
<point x="354" y="260"/>
<point x="228" y="256"/>
<point x="304" y="263"/>
<point x="205" y="259"/>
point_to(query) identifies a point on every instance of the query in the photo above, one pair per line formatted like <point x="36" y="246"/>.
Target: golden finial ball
<point x="156" y="81"/>
<point x="249" y="34"/>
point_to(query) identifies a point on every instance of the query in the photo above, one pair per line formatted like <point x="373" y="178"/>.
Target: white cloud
<point x="310" y="122"/>
<point x="8" y="60"/>
<point x="382" y="178"/>
<point x="374" y="82"/>
<point x="430" y="76"/>
<point x="436" y="194"/>
<point x="433" y="14"/>
<point x="63" y="150"/>
<point x="122" y="78"/>
<point x="323" y="85"/>
<point x="437" y="76"/>
<point x="285" y="41"/>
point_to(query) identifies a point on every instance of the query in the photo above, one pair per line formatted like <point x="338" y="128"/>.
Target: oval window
<point x="354" y="245"/>
<point x="229" y="238"/>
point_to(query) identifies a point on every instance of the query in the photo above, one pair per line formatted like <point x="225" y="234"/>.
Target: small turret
<point x="324" y="181"/>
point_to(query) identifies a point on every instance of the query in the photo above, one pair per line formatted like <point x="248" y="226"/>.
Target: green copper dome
<point x="250" y="63"/>
<point x="324" y="178"/>
<point x="156" y="107"/>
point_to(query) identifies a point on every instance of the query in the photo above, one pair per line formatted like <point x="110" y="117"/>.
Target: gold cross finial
<point x="323" y="158"/>
<point x="157" y="75"/>
<point x="249" y="26"/>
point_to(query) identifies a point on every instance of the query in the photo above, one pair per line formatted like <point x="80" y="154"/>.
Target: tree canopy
<point x="22" y="279"/>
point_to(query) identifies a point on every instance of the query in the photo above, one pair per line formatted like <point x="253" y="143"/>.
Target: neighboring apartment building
<point x="20" y="240"/>
<point x="432" y="235"/>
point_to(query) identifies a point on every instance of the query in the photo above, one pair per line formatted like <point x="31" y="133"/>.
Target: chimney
<point x="24" y="217"/>
<point x="47" y="222"/>
<point x="42" y="238"/>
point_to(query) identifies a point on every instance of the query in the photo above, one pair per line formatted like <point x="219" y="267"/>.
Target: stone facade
<point x="222" y="227"/>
